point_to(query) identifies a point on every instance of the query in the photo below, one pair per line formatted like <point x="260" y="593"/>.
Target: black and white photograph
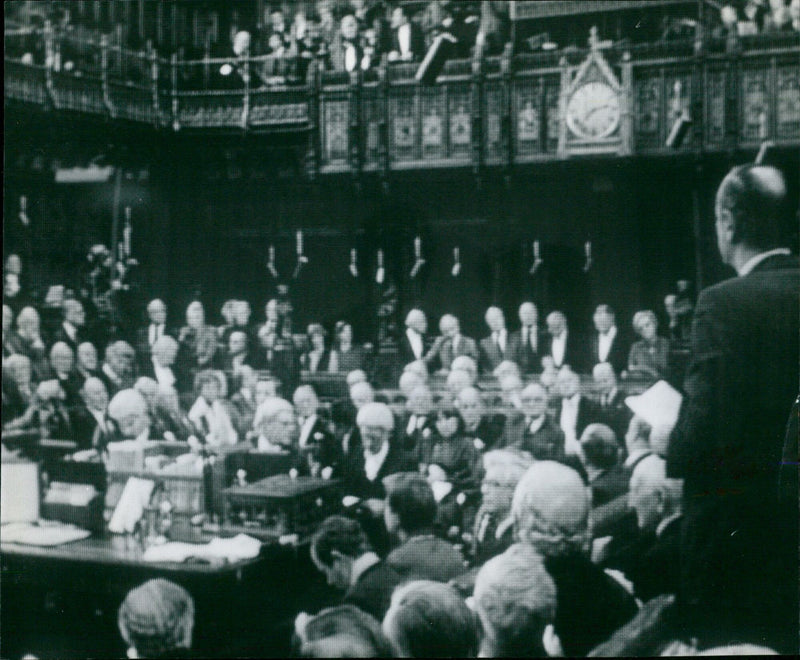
<point x="400" y="328"/>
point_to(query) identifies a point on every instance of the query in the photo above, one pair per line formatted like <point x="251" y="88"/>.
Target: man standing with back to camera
<point x="739" y="564"/>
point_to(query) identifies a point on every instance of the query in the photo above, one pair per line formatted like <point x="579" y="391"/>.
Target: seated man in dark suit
<point x="161" y="365"/>
<point x="86" y="363"/>
<point x="340" y="550"/>
<point x="90" y="423"/>
<point x="409" y="512"/>
<point x="550" y="508"/>
<point x="71" y="329"/>
<point x="532" y="430"/>
<point x="407" y="41"/>
<point x="366" y="463"/>
<point x="612" y="401"/>
<point x="450" y="344"/>
<point x="420" y="422"/>
<point x="607" y="344"/>
<point x="485" y="430"/>
<point x="62" y="368"/>
<point x="412" y="344"/>
<point x="575" y="411"/>
<point x="316" y="442"/>
<point x="117" y="369"/>
<point x="563" y="345"/>
<point x="525" y="344"/>
<point x="493" y="348"/>
<point x="608" y="479"/>
<point x="147" y="336"/>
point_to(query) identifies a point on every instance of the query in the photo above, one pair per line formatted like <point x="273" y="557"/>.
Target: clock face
<point x="593" y="111"/>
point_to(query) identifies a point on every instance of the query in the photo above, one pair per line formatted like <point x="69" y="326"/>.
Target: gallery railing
<point x="496" y="111"/>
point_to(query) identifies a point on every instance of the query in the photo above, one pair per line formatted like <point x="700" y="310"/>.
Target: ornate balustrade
<point x="493" y="112"/>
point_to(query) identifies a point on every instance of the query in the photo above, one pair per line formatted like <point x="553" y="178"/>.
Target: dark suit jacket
<point x="589" y="412"/>
<point x="61" y="335"/>
<point x="322" y="446"/>
<point x="143" y="341"/>
<point x="446" y="354"/>
<point x="372" y="592"/>
<point x="416" y="42"/>
<point x="489" y="431"/>
<point x="617" y="415"/>
<point x="354" y="479"/>
<point x="413" y="442"/>
<point x="427" y="558"/>
<point x="182" y="383"/>
<point x="86" y="431"/>
<point x="740" y="386"/>
<point x="529" y="361"/>
<point x="574" y="354"/>
<point x="609" y="485"/>
<point x="617" y="356"/>
<point x="546" y="444"/>
<point x="490" y="354"/>
<point x="405" y="353"/>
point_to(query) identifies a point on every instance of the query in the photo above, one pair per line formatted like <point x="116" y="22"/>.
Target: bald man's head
<point x="551" y="509"/>
<point x="751" y="207"/>
<point x="129" y="410"/>
<point x="652" y="495"/>
<point x="416" y="321"/>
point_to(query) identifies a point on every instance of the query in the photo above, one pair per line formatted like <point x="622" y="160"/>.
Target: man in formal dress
<point x="90" y="422"/>
<point x="525" y="343"/>
<point x="450" y="344"/>
<point x="151" y="333"/>
<point x="532" y="430"/>
<point x="562" y="345"/>
<point x="62" y="368"/>
<point x="86" y="363"/>
<point x="128" y="410"/>
<point x="315" y="440"/>
<point x="468" y="364"/>
<point x="276" y="426"/>
<point x="116" y="371"/>
<point x="412" y="342"/>
<point x="727" y="443"/>
<point x="612" y="401"/>
<point x="420" y="422"/>
<point x="71" y="329"/>
<point x="575" y="411"/>
<point x="486" y="430"/>
<point x="494" y="347"/>
<point x="407" y="41"/>
<point x="607" y="343"/>
<point x="161" y="366"/>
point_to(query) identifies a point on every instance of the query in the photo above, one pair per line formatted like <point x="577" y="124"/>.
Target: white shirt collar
<point x="305" y="430"/>
<point x="604" y="342"/>
<point x="373" y="462"/>
<point x="70" y="329"/>
<point x="415" y="339"/>
<point x="751" y="263"/>
<point x="663" y="524"/>
<point x="536" y="424"/>
<point x="404" y="38"/>
<point x="360" y="565"/>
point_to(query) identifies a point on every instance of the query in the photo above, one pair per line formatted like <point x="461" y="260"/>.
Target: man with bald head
<point x="71" y="330"/>
<point x="550" y="510"/>
<point x="161" y="366"/>
<point x="607" y="343"/>
<point x="62" y="368"/>
<point x="562" y="345"/>
<point x="116" y="371"/>
<point x="533" y="430"/>
<point x="495" y="347"/>
<point x="525" y="344"/>
<point x="147" y="336"/>
<point x="728" y="442"/>
<point x="128" y="410"/>
<point x="315" y="440"/>
<point x="90" y="422"/>
<point x="486" y="430"/>
<point x="413" y="342"/>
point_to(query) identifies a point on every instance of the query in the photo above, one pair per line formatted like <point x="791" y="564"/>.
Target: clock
<point x="593" y="111"/>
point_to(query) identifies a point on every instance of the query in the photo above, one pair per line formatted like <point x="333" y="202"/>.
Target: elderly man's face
<point x="555" y="325"/>
<point x="210" y="390"/>
<point x="149" y="392"/>
<point x="264" y="390"/>
<point x="419" y="402"/>
<point x="373" y="437"/>
<point x="647" y="329"/>
<point x="157" y="311"/>
<point x="61" y="360"/>
<point x="132" y="424"/>
<point x="167" y="354"/>
<point x="349" y="27"/>
<point x="604" y="379"/>
<point x="398" y="17"/>
<point x="8" y="318"/>
<point x="29" y="323"/>
<point x="305" y="401"/>
<point x="95" y="394"/>
<point x="534" y="401"/>
<point x="241" y="313"/>
<point x="568" y="384"/>
<point x="195" y="316"/>
<point x="418" y="322"/>
<point x="75" y="314"/>
<point x="495" y="320"/>
<point x="448" y="327"/>
<point x="237" y="343"/>
<point x="469" y="405"/>
<point x="360" y="397"/>
<point x="603" y="321"/>
<point x="21" y="373"/>
<point x="457" y="381"/>
<point x="282" y="429"/>
<point x="527" y="315"/>
<point x="647" y="503"/>
<point x="497" y="489"/>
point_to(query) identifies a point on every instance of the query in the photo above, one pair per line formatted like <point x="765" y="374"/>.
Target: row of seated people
<point x="548" y="578"/>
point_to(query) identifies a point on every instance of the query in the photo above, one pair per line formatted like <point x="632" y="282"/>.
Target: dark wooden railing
<point x="489" y="112"/>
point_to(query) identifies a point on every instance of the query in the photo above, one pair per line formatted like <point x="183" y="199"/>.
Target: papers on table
<point x="44" y="533"/>
<point x="659" y="406"/>
<point x="135" y="497"/>
<point x="234" y="549"/>
<point x="19" y="491"/>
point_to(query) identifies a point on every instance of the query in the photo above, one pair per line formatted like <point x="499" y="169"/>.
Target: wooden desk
<point x="62" y="601"/>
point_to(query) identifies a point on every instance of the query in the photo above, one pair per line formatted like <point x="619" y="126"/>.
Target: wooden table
<point x="63" y="601"/>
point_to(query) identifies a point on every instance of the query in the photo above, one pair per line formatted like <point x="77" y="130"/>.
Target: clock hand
<point x="597" y="109"/>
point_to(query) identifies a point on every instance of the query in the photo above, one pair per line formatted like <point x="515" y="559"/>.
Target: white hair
<point x="375" y="414"/>
<point x="269" y="409"/>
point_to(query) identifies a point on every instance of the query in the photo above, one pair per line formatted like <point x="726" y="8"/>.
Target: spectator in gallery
<point x="484" y="429"/>
<point x="317" y="358"/>
<point x="374" y="455"/>
<point x="227" y="313"/>
<point x="361" y="393"/>
<point x="574" y="412"/>
<point x="197" y="340"/>
<point x="71" y="330"/>
<point x="346" y="52"/>
<point x="511" y="391"/>
<point x="276" y="427"/>
<point x="493" y="529"/>
<point x="494" y="347"/>
<point x="550" y="508"/>
<point x="525" y="343"/>
<point x="156" y="620"/>
<point x="62" y="368"/>
<point x="52" y="414"/>
<point x="549" y="375"/>
<point x="340" y="550"/>
<point x="87" y="363"/>
<point x="649" y="355"/>
<point x="429" y="619"/>
<point x="116" y="371"/>
<point x="210" y="413"/>
<point x="409" y="513"/>
<point x="562" y="345"/>
<point x="317" y="443"/>
<point x="516" y="601"/>
<point x="608" y="345"/>
<point x="468" y="364"/>
<point x="407" y="41"/>
<point x="18" y="392"/>
<point x="413" y="340"/>
<point x="420" y="423"/>
<point x="345" y="355"/>
<point x="243" y="402"/>
<point x="161" y="366"/>
<point x="457" y="381"/>
<point x="236" y="354"/>
<point x="612" y="401"/>
<point x="344" y="631"/>
<point x="162" y="426"/>
<point x="450" y="344"/>
<point x="30" y="341"/>
<point x="600" y="453"/>
<point x="90" y="423"/>
<point x="151" y="333"/>
<point x="532" y="430"/>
